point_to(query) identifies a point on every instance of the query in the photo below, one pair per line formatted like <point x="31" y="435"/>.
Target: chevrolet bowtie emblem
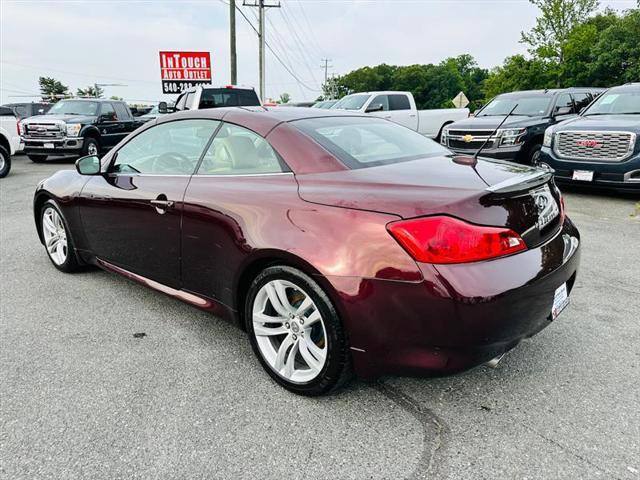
<point x="467" y="138"/>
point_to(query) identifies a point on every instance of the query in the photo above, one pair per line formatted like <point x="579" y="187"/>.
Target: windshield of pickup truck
<point x="367" y="142"/>
<point x="616" y="103"/>
<point x="351" y="102"/>
<point x="74" y="107"/>
<point x="527" y="106"/>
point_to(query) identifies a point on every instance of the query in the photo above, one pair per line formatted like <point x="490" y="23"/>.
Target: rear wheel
<point x="57" y="241"/>
<point x="5" y="162"/>
<point x="296" y="333"/>
<point x="37" y="158"/>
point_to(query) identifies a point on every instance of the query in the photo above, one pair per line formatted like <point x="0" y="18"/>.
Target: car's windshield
<point x="365" y="142"/>
<point x="528" y="106"/>
<point x="74" y="107"/>
<point x="351" y="102"/>
<point x="616" y="102"/>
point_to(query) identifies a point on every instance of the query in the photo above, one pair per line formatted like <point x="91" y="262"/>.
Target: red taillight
<point x="449" y="240"/>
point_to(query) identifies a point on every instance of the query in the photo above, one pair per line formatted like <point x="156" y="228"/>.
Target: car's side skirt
<point x="203" y="303"/>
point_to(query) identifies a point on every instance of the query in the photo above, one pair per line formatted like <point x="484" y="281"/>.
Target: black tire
<point x="534" y="154"/>
<point x="5" y="162"/>
<point x="37" y="158"/>
<point x="337" y="368"/>
<point x="89" y="145"/>
<point x="71" y="264"/>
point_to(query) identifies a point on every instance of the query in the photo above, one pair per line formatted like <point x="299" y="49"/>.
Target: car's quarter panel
<point x="460" y="315"/>
<point x="124" y="228"/>
<point x="231" y="221"/>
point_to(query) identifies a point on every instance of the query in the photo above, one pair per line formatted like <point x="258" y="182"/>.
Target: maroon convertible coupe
<point x="340" y="242"/>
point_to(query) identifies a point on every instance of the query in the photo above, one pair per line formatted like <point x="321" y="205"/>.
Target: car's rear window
<point x="366" y="141"/>
<point x="226" y="97"/>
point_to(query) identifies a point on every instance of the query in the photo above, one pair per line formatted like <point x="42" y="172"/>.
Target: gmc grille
<point x="601" y="146"/>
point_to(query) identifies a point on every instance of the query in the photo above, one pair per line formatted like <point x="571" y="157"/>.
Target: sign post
<point x="182" y="70"/>
<point x="460" y="100"/>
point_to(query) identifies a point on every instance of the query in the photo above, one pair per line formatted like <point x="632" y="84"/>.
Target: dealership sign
<point x="182" y="70"/>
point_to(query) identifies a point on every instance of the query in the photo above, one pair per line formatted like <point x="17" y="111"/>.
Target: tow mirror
<point x="89" y="165"/>
<point x="162" y="107"/>
<point x="374" y="107"/>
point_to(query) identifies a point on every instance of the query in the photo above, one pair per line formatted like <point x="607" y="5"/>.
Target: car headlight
<point x="511" y="136"/>
<point x="444" y="135"/>
<point x="73" y="129"/>
<point x="548" y="138"/>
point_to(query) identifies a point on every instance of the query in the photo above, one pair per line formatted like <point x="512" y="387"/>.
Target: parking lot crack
<point x="433" y="428"/>
<point x="570" y="452"/>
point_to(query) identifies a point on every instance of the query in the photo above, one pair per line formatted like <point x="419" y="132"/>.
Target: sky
<point x="117" y="41"/>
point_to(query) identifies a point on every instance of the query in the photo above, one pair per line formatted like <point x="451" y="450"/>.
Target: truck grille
<point x="469" y="139"/>
<point x="44" y="130"/>
<point x="602" y="146"/>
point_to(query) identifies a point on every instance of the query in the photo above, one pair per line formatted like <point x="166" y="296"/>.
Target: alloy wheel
<point x="55" y="235"/>
<point x="290" y="331"/>
<point x="92" y="149"/>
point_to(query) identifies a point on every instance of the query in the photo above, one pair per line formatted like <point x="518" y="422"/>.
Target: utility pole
<point x="326" y="68"/>
<point x="261" y="34"/>
<point x="232" y="42"/>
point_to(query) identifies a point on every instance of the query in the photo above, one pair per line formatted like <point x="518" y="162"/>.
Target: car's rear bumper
<point x="459" y="316"/>
<point x="621" y="176"/>
<point x="59" y="146"/>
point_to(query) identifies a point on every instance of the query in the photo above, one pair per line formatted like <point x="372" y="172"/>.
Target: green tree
<point x="520" y="73"/>
<point x="115" y="97"/>
<point x="90" y="91"/>
<point x="52" y="89"/>
<point x="284" y="98"/>
<point x="547" y="39"/>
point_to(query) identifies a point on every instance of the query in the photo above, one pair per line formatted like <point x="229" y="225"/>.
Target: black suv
<point x="77" y="127"/>
<point x="520" y="137"/>
<point x="600" y="147"/>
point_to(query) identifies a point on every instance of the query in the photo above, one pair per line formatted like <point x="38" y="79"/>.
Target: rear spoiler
<point x="522" y="182"/>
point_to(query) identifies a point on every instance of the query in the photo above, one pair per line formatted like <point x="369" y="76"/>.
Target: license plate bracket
<point x="48" y="145"/>
<point x="560" y="301"/>
<point x="583" y="175"/>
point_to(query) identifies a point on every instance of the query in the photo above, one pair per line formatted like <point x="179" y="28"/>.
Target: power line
<point x="274" y="53"/>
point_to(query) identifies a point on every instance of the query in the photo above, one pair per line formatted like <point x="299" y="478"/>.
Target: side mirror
<point x="89" y="165"/>
<point x="374" y="107"/>
<point x="563" y="110"/>
<point x="162" y="107"/>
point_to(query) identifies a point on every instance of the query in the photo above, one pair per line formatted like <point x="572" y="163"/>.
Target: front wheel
<point x="56" y="237"/>
<point x="5" y="162"/>
<point x="37" y="158"/>
<point x="90" y="147"/>
<point x="534" y="155"/>
<point x="296" y="333"/>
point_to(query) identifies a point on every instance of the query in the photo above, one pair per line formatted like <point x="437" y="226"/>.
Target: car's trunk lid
<point x="485" y="192"/>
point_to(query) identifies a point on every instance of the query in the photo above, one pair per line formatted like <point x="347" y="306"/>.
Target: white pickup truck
<point x="400" y="107"/>
<point x="9" y="139"/>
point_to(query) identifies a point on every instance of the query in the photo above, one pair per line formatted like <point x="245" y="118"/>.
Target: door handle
<point x="163" y="204"/>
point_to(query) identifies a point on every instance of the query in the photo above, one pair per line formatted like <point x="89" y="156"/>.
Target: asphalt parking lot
<point x="81" y="397"/>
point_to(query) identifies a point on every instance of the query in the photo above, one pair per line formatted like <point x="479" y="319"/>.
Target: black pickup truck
<point x="520" y="138"/>
<point x="77" y="127"/>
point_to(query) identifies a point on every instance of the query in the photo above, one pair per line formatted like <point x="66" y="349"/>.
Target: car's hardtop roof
<point x="92" y="99"/>
<point x="380" y="92"/>
<point x="260" y="119"/>
<point x="547" y="92"/>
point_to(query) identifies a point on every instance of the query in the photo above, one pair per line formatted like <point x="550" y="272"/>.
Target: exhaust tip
<point x="493" y="363"/>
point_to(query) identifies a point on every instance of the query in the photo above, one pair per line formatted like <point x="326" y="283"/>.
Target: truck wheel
<point x="90" y="147"/>
<point x="37" y="158"/>
<point x="534" y="155"/>
<point x="5" y="162"/>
